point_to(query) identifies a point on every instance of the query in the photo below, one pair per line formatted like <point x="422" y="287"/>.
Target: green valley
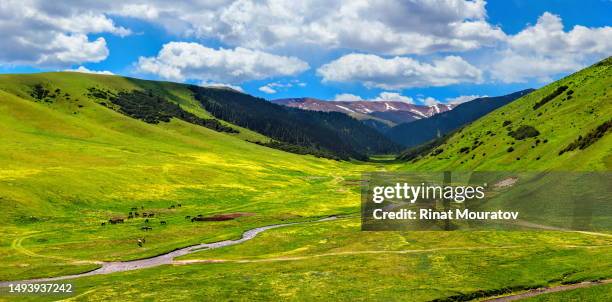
<point x="90" y="153"/>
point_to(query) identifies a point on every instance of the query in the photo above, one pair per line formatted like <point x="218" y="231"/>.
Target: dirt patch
<point x="547" y="290"/>
<point x="508" y="182"/>
<point x="222" y="217"/>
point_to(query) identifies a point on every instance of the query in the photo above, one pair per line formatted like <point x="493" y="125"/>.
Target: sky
<point x="423" y="52"/>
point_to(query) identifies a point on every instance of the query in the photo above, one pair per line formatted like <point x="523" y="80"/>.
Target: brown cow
<point x="115" y="220"/>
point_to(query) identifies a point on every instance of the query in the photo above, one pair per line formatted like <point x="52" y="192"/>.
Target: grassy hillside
<point x="65" y="169"/>
<point x="420" y="131"/>
<point x="530" y="133"/>
<point x="317" y="132"/>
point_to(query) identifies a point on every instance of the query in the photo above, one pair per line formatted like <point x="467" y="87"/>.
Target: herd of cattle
<point x="133" y="214"/>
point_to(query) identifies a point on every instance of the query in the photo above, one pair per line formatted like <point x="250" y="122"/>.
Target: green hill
<point x="562" y="126"/>
<point x="420" y="131"/>
<point x="331" y="135"/>
<point x="69" y="163"/>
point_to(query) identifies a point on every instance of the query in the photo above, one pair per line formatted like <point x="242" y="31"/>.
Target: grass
<point x="409" y="266"/>
<point x="63" y="174"/>
<point x="66" y="168"/>
<point x="559" y="122"/>
<point x="595" y="293"/>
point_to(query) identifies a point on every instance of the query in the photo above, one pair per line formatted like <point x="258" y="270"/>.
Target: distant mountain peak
<point x="393" y="112"/>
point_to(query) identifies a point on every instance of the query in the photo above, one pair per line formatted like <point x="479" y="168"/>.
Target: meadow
<point x="68" y="166"/>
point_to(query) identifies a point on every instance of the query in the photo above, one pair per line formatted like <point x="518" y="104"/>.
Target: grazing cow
<point x="171" y="207"/>
<point x="162" y="222"/>
<point x="136" y="214"/>
<point x="146" y="228"/>
<point x="179" y="205"/>
<point x="146" y="220"/>
<point x="134" y="209"/>
<point x="151" y="214"/>
<point x="103" y="224"/>
<point x="130" y="216"/>
<point x="200" y="215"/>
<point x="140" y="242"/>
<point x="187" y="217"/>
<point x="115" y="220"/>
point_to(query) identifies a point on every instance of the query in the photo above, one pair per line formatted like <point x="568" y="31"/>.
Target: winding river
<point x="167" y="258"/>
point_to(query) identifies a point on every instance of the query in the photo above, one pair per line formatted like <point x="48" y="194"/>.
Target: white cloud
<point x="545" y="49"/>
<point x="40" y="34"/>
<point x="463" y="98"/>
<point x="399" y="72"/>
<point x="221" y="85"/>
<point x="429" y="101"/>
<point x="275" y="87"/>
<point x="391" y="27"/>
<point x="347" y="97"/>
<point x="267" y="89"/>
<point x="59" y="34"/>
<point x="181" y="60"/>
<point x="395" y="27"/>
<point x="84" y="69"/>
<point x="382" y="97"/>
<point x="393" y="97"/>
<point x="140" y="11"/>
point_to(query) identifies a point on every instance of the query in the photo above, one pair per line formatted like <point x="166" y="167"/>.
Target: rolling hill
<point x="420" y="131"/>
<point x="333" y="135"/>
<point x="565" y="125"/>
<point x="69" y="162"/>
<point x="323" y="132"/>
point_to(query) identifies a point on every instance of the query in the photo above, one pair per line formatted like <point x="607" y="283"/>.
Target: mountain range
<point x="380" y="114"/>
<point x="420" y="131"/>
<point x="564" y="125"/>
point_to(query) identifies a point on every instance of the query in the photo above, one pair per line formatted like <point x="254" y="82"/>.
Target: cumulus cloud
<point x="399" y="72"/>
<point x="347" y="97"/>
<point x="392" y="97"/>
<point x="39" y="34"/>
<point x="181" y="60"/>
<point x="394" y="27"/>
<point x="267" y="89"/>
<point x="221" y="85"/>
<point x="84" y="69"/>
<point x="430" y="101"/>
<point x="545" y="49"/>
<point x="275" y="87"/>
<point x="463" y="98"/>
<point x="384" y="96"/>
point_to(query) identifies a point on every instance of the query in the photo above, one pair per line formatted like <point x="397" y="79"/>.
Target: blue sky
<point x="345" y="50"/>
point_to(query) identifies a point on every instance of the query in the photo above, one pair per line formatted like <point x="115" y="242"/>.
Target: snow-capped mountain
<point x="394" y="112"/>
